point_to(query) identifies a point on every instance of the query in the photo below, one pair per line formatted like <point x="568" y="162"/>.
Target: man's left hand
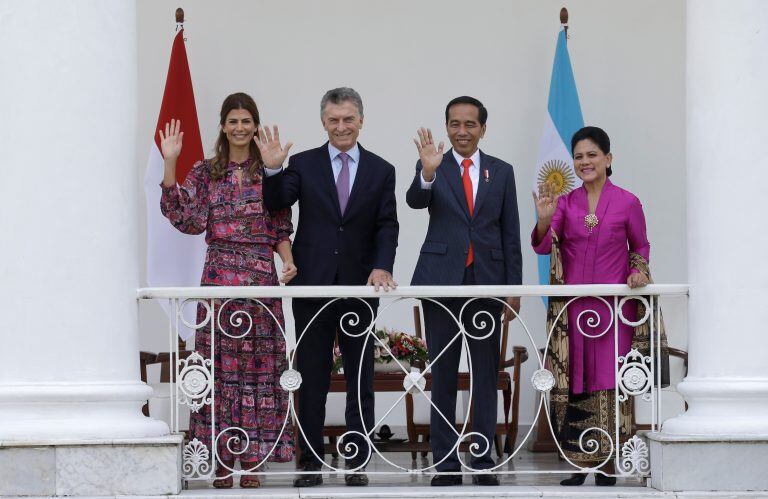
<point x="381" y="278"/>
<point x="514" y="302"/>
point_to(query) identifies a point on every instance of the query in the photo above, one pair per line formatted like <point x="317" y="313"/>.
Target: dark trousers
<point x="441" y="328"/>
<point x="315" y="362"/>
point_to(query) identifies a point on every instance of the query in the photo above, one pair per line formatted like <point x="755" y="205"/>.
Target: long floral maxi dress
<point x="249" y="349"/>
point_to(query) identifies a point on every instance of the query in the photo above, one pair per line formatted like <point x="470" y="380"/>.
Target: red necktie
<point x="470" y="203"/>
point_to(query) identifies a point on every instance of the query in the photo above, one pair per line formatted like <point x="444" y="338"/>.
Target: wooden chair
<point x="167" y="361"/>
<point x="507" y="422"/>
<point x="672" y="403"/>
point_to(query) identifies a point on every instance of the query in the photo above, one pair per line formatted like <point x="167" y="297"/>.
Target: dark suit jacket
<point x="328" y="243"/>
<point x="494" y="229"/>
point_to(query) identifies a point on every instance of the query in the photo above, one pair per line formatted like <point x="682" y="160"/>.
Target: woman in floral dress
<point x="222" y="197"/>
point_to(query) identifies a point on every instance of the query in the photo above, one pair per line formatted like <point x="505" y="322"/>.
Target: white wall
<point x="408" y="59"/>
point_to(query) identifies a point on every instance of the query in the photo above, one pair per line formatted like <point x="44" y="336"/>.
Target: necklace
<point x="591" y="221"/>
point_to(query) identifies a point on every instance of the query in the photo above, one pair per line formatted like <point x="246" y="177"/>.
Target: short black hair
<point x="596" y="135"/>
<point x="465" y="99"/>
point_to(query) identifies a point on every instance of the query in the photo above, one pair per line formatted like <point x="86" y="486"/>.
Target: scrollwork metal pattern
<point x="634" y="376"/>
<point x="633" y="372"/>
<point x="634" y="457"/>
<point x="195" y="385"/>
<point x="196" y="460"/>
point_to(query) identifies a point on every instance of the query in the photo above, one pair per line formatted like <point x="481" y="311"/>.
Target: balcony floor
<point x="527" y="485"/>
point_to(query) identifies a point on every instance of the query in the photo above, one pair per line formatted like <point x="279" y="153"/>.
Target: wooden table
<point x="393" y="382"/>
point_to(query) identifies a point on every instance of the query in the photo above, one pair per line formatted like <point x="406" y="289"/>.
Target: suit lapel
<point x="452" y="172"/>
<point x="361" y="180"/>
<point x="326" y="172"/>
<point x="487" y="164"/>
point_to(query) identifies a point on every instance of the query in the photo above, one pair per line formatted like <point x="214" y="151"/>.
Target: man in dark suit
<point x="473" y="238"/>
<point x="347" y="235"/>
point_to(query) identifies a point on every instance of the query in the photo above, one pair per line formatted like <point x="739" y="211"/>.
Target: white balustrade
<point x="636" y="374"/>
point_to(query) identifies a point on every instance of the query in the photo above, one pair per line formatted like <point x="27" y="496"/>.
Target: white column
<point x="727" y="78"/>
<point x="727" y="384"/>
<point x="68" y="219"/>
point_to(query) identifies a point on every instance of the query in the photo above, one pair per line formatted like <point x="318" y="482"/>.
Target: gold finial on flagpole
<point x="180" y="20"/>
<point x="564" y="20"/>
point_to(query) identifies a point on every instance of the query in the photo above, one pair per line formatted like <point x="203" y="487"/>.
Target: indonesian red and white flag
<point x="174" y="259"/>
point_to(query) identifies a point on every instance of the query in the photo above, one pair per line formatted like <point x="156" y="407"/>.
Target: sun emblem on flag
<point x="558" y="174"/>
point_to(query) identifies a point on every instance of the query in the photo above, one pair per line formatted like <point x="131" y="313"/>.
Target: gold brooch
<point x="591" y="221"/>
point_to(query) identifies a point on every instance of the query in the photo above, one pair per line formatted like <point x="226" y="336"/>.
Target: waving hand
<point x="272" y="153"/>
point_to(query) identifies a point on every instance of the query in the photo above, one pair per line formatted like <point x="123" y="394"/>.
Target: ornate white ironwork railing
<point x="636" y="374"/>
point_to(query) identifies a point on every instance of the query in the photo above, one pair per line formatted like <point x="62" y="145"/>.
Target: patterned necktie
<point x="466" y="163"/>
<point x="342" y="182"/>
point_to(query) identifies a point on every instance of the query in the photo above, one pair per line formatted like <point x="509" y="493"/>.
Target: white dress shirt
<point x="474" y="172"/>
<point x="354" y="160"/>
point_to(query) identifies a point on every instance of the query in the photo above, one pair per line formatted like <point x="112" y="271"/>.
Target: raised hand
<point x="170" y="141"/>
<point x="272" y="153"/>
<point x="546" y="202"/>
<point x="429" y="156"/>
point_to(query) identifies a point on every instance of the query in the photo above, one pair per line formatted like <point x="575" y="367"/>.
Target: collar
<point x="231" y="165"/>
<point x="353" y="153"/>
<point x="606" y="186"/>
<point x="475" y="158"/>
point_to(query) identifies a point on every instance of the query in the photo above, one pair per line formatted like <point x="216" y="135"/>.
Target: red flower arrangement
<point x="399" y="345"/>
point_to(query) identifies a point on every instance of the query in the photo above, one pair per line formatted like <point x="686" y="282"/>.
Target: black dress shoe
<point x="576" y="479"/>
<point x="485" y="479"/>
<point x="445" y="480"/>
<point x="308" y="480"/>
<point x="604" y="481"/>
<point x="356" y="479"/>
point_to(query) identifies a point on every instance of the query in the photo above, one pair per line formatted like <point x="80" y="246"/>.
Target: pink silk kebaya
<point x="599" y="257"/>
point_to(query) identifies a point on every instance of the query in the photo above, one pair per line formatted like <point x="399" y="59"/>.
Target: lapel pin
<point x="485" y="175"/>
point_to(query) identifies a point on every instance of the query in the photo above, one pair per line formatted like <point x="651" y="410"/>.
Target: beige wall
<point x="407" y="59"/>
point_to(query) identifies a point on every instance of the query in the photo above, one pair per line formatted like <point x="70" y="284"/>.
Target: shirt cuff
<point x="272" y="171"/>
<point x="424" y="183"/>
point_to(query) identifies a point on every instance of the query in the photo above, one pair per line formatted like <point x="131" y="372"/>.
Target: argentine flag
<point x="563" y="119"/>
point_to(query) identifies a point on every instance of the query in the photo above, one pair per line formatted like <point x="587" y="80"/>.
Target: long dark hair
<point x="219" y="162"/>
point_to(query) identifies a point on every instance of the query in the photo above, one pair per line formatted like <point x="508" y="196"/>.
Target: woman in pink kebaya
<point x="595" y="234"/>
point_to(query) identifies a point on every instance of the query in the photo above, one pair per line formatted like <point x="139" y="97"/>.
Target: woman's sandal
<point x="223" y="483"/>
<point x="249" y="482"/>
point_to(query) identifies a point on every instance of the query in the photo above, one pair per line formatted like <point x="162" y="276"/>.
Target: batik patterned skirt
<point x="249" y="357"/>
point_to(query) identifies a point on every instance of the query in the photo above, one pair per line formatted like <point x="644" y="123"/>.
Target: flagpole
<point x="563" y="21"/>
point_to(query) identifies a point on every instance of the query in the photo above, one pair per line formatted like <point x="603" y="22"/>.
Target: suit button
<point x="341" y="229"/>
<point x="466" y="252"/>
<point x="335" y="252"/>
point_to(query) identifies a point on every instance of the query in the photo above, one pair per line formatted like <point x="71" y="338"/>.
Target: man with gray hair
<point x="347" y="235"/>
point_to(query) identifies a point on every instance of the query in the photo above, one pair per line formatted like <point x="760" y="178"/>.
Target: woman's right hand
<point x="170" y="141"/>
<point x="546" y="203"/>
<point x="170" y="146"/>
<point x="289" y="272"/>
